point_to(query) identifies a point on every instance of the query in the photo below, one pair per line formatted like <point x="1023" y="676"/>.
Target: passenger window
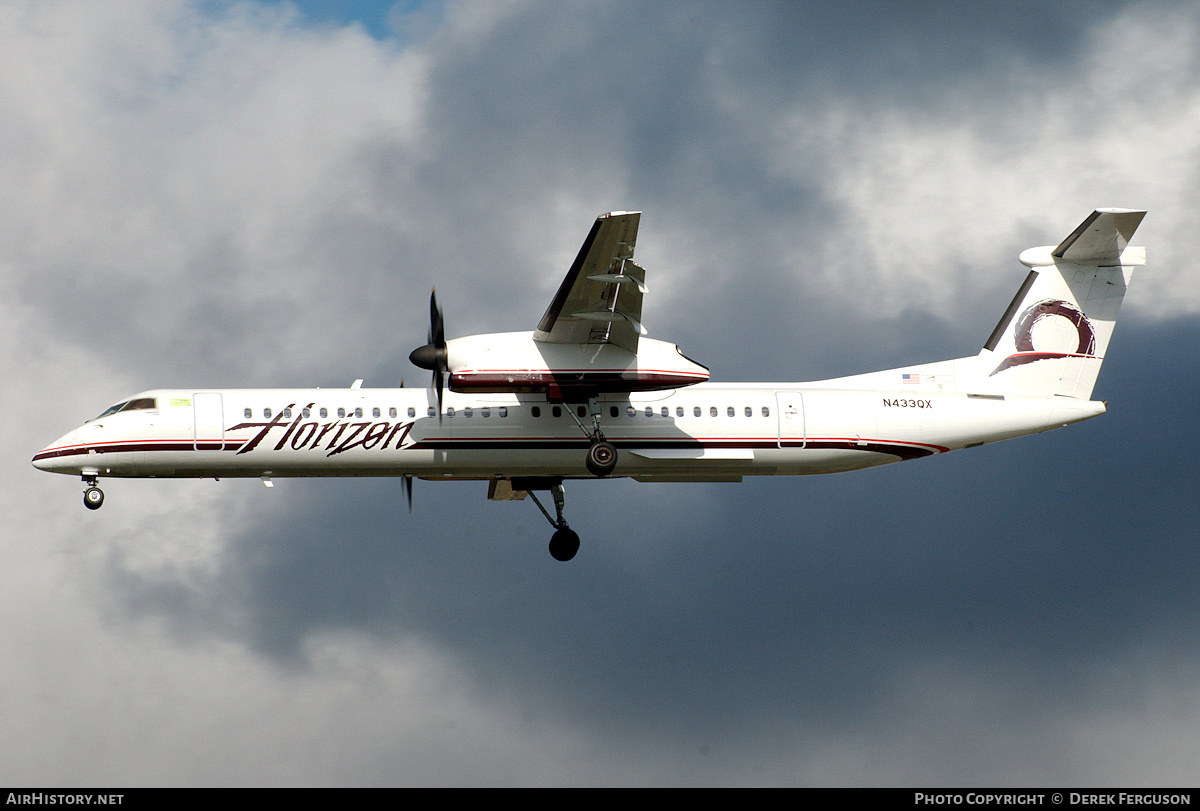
<point x="468" y="412"/>
<point x="375" y="412"/>
<point x="649" y="411"/>
<point x="485" y="412"/>
<point x="287" y="413"/>
<point x="430" y="412"/>
<point x="449" y="412"/>
<point x="266" y="413"/>
<point x="324" y="412"/>
<point x="247" y="413"/>
<point x="581" y="411"/>
<point x="613" y="412"/>
<point x="766" y="411"/>
<point x="678" y="411"/>
<point x="666" y="412"/>
<point x="631" y="411"/>
<point x="503" y="411"/>
<point x="341" y="413"/>
<point x="358" y="412"/>
<point x="696" y="411"/>
<point x="392" y="412"/>
<point x="412" y="412"/>
<point x="536" y="411"/>
<point x="712" y="411"/>
<point x="305" y="412"/>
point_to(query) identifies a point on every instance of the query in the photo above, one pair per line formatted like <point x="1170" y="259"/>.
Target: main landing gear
<point x="93" y="496"/>
<point x="601" y="457"/>
<point x="564" y="543"/>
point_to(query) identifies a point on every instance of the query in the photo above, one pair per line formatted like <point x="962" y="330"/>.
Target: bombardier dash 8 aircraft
<point x="587" y="395"/>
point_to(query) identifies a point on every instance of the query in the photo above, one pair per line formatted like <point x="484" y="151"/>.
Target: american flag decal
<point x="910" y="378"/>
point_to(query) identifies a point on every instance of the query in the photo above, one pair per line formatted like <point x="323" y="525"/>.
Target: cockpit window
<point x="113" y="409"/>
<point x="140" y="403"/>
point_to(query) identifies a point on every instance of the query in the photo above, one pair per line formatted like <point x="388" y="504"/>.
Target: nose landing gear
<point x="93" y="496"/>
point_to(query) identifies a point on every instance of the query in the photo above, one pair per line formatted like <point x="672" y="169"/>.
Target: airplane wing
<point x="600" y="301"/>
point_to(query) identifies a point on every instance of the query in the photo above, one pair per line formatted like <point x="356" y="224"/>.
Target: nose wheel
<point x="93" y="496"/>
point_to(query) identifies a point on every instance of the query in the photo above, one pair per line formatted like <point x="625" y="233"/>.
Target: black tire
<point x="601" y="458"/>
<point x="564" y="544"/>
<point x="93" y="498"/>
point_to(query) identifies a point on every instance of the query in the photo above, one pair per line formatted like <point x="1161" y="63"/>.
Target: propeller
<point x="433" y="354"/>
<point x="408" y="490"/>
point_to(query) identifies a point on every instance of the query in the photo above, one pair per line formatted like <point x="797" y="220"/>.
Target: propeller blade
<point x="438" y="381"/>
<point x="437" y="337"/>
<point x="434" y="355"/>
<point x="437" y="325"/>
<point x="408" y="485"/>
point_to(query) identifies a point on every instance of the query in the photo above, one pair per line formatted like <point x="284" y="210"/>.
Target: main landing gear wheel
<point x="601" y="458"/>
<point x="564" y="544"/>
<point x="93" y="498"/>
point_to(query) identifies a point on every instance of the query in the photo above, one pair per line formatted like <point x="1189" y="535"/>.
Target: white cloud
<point x="935" y="203"/>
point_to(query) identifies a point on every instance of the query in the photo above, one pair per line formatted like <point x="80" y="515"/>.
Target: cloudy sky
<point x="262" y="194"/>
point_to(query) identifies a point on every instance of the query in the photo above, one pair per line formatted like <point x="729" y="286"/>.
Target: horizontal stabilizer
<point x="1102" y="237"/>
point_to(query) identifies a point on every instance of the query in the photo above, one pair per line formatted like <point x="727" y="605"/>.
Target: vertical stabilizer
<point x="1052" y="338"/>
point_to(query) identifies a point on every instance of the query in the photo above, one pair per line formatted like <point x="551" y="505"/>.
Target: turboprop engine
<point x="518" y="362"/>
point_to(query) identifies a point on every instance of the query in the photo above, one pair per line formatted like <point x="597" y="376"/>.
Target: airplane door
<point x="789" y="405"/>
<point x="210" y="421"/>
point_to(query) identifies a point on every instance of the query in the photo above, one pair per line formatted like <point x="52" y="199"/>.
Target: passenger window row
<point x="502" y="411"/>
<point x="630" y="411"/>
<point x="323" y="413"/>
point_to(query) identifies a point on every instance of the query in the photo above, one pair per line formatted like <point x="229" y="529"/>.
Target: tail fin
<point x="1053" y="337"/>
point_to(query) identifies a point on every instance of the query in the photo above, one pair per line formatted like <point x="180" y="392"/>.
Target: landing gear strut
<point x="601" y="457"/>
<point x="93" y="496"/>
<point x="564" y="543"/>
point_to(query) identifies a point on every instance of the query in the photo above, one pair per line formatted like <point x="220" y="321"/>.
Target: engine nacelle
<point x="515" y="362"/>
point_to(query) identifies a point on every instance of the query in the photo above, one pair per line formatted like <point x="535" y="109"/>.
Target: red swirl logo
<point x="1049" y="308"/>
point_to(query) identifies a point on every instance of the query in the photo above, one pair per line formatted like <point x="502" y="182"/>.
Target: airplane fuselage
<point x="706" y="432"/>
<point x="587" y="395"/>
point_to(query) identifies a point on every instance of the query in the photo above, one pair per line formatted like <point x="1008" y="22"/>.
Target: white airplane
<point x="586" y="395"/>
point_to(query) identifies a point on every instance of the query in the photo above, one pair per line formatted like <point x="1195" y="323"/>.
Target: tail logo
<point x="1028" y="353"/>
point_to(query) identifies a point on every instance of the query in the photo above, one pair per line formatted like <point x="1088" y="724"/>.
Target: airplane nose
<point x="51" y="456"/>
